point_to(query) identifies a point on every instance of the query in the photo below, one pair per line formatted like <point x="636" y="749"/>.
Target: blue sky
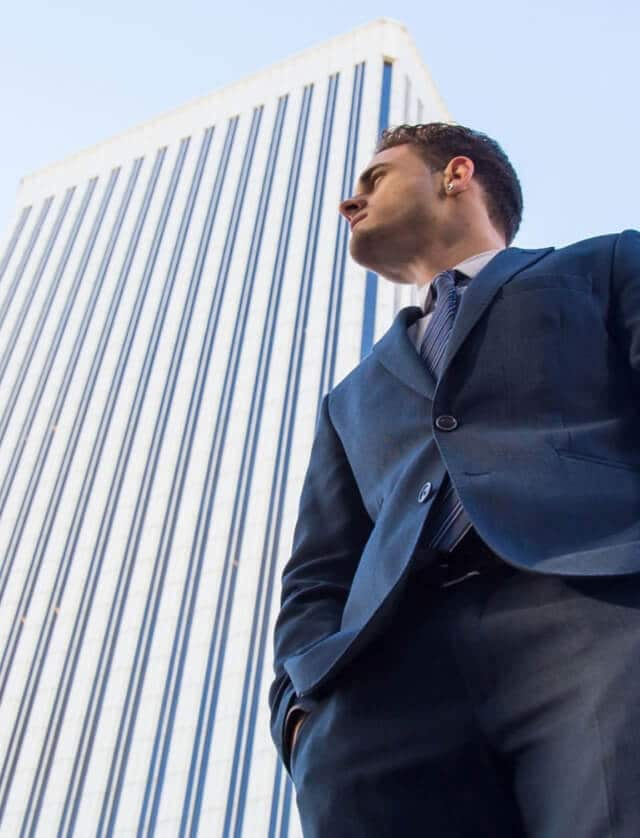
<point x="556" y="83"/>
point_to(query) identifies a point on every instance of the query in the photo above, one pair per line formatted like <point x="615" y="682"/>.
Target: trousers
<point x="498" y="705"/>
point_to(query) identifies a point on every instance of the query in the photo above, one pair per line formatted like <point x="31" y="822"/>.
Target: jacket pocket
<point x="599" y="461"/>
<point x="303" y="731"/>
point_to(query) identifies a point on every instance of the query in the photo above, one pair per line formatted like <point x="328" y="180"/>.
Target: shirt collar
<point x="470" y="267"/>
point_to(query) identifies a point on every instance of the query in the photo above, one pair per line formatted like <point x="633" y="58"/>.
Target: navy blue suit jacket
<point x="542" y="373"/>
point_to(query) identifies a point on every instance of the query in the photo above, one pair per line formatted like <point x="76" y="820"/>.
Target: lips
<point x="357" y="218"/>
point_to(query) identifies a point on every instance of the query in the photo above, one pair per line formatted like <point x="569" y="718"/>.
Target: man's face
<point x="396" y="210"/>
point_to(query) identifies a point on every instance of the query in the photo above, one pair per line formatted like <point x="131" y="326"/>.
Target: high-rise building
<point x="174" y="302"/>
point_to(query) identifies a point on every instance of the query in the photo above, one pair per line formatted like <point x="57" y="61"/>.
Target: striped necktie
<point x="450" y="521"/>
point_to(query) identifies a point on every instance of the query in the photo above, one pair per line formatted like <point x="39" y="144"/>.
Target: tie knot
<point x="443" y="283"/>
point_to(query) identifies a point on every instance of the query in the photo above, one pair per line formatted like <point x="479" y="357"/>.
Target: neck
<point x="425" y="266"/>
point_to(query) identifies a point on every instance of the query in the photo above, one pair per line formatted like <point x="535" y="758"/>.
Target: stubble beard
<point x="385" y="250"/>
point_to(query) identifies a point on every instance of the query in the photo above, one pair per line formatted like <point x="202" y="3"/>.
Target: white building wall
<point x="174" y="302"/>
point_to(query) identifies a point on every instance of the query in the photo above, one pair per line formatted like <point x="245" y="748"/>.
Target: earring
<point x="449" y="187"/>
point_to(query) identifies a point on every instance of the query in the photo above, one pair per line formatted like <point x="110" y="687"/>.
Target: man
<point x="458" y="647"/>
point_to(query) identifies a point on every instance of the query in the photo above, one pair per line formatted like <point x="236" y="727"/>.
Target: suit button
<point x="446" y="423"/>
<point x="424" y="493"/>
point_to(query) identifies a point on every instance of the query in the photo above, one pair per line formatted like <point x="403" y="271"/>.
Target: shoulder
<point x="604" y="243"/>
<point x="594" y="256"/>
<point x="352" y="382"/>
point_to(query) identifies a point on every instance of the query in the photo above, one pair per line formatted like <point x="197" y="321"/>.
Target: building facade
<point x="174" y="303"/>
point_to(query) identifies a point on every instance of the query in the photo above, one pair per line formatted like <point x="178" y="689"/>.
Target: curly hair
<point x="439" y="142"/>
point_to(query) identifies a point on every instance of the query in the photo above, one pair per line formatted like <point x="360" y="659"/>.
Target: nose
<point x="351" y="207"/>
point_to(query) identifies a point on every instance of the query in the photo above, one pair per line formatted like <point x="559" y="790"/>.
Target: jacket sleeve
<point x="625" y="278"/>
<point x="331" y="531"/>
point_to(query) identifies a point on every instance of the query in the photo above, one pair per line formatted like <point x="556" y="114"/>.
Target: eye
<point x="376" y="178"/>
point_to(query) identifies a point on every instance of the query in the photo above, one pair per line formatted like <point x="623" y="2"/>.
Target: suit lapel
<point x="483" y="288"/>
<point x="397" y="353"/>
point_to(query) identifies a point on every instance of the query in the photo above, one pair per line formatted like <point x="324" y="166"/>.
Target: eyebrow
<point x="367" y="176"/>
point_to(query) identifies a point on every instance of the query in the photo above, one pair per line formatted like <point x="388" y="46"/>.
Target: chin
<point x="363" y="250"/>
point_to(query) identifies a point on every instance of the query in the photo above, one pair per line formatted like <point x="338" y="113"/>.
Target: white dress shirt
<point x="470" y="267"/>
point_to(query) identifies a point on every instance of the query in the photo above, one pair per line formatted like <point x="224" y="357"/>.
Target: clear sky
<point x="554" y="81"/>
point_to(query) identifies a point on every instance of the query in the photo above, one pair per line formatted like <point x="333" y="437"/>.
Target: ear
<point x="458" y="172"/>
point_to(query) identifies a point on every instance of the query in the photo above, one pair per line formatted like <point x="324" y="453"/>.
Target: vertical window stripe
<point x="24" y="259"/>
<point x="13" y="241"/>
<point x="371" y="286"/>
<point x="330" y="349"/>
